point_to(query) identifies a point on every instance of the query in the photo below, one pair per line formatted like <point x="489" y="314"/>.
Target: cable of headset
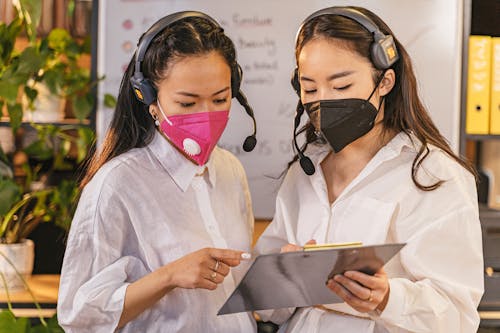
<point x="250" y="140"/>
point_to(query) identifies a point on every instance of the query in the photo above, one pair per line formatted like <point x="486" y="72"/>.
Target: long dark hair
<point x="132" y="126"/>
<point x="404" y="111"/>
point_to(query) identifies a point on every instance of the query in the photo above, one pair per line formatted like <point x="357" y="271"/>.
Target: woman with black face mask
<point x="374" y="168"/>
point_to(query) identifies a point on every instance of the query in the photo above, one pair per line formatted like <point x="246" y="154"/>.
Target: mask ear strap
<point x="380" y="103"/>
<point x="163" y="113"/>
<point x="380" y="78"/>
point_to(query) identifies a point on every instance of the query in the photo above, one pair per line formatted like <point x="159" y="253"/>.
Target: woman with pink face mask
<point x="164" y="220"/>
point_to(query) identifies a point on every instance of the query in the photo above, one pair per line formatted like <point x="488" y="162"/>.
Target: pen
<point x="313" y="247"/>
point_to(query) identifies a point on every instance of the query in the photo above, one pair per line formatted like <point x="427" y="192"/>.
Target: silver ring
<point x="217" y="264"/>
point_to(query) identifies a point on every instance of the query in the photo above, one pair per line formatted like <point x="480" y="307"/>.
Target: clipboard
<point x="297" y="279"/>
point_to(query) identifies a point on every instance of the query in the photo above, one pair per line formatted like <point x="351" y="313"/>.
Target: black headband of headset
<point x="148" y="36"/>
<point x="146" y="93"/>
<point x="349" y="13"/>
<point x="383" y="53"/>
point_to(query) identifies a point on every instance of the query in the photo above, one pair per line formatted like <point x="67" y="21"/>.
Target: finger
<point x="291" y="248"/>
<point x="228" y="254"/>
<point x="214" y="277"/>
<point x="207" y="284"/>
<point x="214" y="264"/>
<point x="231" y="262"/>
<point x="354" y="287"/>
<point x="348" y="297"/>
<point x="372" y="282"/>
<point x="201" y="280"/>
<point x="223" y="269"/>
<point x="341" y="291"/>
<point x="311" y="242"/>
<point x="381" y="273"/>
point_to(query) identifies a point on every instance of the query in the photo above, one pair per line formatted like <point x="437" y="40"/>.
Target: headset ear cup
<point x="295" y="81"/>
<point x="143" y="90"/>
<point x="384" y="52"/>
<point x="236" y="78"/>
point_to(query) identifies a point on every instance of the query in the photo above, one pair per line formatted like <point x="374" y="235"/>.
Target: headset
<point x="383" y="54"/>
<point x="145" y="91"/>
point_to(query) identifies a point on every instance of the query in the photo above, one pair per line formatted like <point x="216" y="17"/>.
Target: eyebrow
<point x="184" y="93"/>
<point x="331" y="77"/>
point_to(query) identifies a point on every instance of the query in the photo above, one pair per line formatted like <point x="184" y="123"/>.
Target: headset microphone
<point x="251" y="140"/>
<point x="305" y="162"/>
<point x="145" y="91"/>
<point x="383" y="54"/>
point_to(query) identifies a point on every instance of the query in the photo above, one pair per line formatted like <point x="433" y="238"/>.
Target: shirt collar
<point x="182" y="170"/>
<point x="400" y="142"/>
<point x="398" y="145"/>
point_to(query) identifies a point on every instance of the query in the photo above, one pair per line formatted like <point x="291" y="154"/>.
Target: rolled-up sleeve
<point x="445" y="259"/>
<point x="96" y="269"/>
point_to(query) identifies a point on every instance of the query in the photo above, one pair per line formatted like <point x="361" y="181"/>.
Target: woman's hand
<point x="205" y="268"/>
<point x="293" y="247"/>
<point x="361" y="291"/>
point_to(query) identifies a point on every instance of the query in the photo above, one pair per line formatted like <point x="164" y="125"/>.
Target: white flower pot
<point x="22" y="255"/>
<point x="48" y="108"/>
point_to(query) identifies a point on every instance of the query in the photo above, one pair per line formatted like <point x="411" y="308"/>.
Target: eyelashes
<point x="217" y="101"/>
<point x="312" y="91"/>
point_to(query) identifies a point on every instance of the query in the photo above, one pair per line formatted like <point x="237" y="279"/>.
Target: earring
<point x="155" y="117"/>
<point x="319" y="137"/>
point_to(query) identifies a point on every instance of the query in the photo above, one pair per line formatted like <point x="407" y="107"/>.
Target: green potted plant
<point x="22" y="208"/>
<point x="60" y="80"/>
<point x="49" y="64"/>
<point x="46" y="70"/>
<point x="27" y="201"/>
<point x="9" y="323"/>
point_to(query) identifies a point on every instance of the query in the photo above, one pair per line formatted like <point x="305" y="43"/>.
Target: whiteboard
<point x="264" y="35"/>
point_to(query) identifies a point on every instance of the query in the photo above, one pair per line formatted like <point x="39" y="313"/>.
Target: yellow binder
<point x="495" y="86"/>
<point x="478" y="85"/>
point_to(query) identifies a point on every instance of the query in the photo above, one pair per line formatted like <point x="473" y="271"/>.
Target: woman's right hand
<point x="205" y="268"/>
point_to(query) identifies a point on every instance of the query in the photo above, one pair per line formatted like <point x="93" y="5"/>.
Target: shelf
<point x="480" y="137"/>
<point x="4" y="122"/>
<point x="45" y="289"/>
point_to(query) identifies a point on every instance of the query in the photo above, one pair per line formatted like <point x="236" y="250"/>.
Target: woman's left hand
<point x="361" y="291"/>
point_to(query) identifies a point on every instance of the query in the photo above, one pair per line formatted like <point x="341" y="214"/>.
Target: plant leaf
<point x="16" y="115"/>
<point x="109" y="101"/>
<point x="9" y="194"/>
<point x="30" y="61"/>
<point x="85" y="140"/>
<point x="59" y="39"/>
<point x="3" y="157"/>
<point x="82" y="106"/>
<point x="8" y="90"/>
<point x="30" y="93"/>
<point x="8" y="36"/>
<point x="10" y="324"/>
<point x="30" y="11"/>
<point x="52" y="327"/>
<point x="40" y="150"/>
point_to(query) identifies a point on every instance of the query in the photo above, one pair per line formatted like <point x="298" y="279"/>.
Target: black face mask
<point x="342" y="121"/>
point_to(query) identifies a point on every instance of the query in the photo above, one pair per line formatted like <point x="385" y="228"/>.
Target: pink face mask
<point x="195" y="133"/>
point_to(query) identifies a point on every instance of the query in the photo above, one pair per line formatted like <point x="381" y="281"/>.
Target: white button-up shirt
<point x="145" y="209"/>
<point x="436" y="281"/>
